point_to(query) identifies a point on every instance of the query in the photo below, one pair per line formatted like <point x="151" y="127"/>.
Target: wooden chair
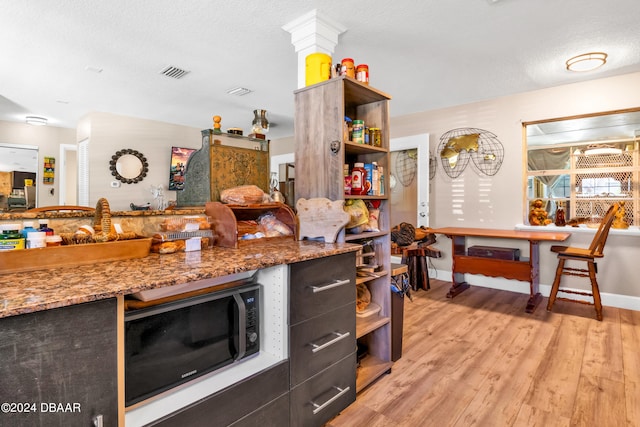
<point x="589" y="255"/>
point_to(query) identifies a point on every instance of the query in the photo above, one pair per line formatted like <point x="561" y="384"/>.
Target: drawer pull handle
<point x="335" y="284"/>
<point x="339" y="337"/>
<point x="341" y="391"/>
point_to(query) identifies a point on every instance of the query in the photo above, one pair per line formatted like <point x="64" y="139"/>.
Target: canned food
<point x="358" y="132"/>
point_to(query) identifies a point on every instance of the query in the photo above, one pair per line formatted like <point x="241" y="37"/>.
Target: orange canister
<point x="318" y="68"/>
<point x="362" y="73"/>
<point x="348" y="68"/>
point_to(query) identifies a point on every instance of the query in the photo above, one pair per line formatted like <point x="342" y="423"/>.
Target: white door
<point x="68" y="187"/>
<point x="410" y="169"/>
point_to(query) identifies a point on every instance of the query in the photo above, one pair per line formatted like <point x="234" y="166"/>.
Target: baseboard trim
<point x="609" y="300"/>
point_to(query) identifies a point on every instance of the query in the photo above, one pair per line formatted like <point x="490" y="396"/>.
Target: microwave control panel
<point x="253" y="321"/>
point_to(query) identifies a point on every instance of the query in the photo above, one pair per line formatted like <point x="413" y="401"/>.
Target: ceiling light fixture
<point x="36" y="121"/>
<point x="239" y="91"/>
<point x="587" y="61"/>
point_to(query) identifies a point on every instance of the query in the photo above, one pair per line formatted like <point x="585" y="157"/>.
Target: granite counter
<point x="59" y="287"/>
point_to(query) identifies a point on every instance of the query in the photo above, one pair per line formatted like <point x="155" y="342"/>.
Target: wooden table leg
<point x="534" y="280"/>
<point x="458" y="244"/>
<point x="457" y="288"/>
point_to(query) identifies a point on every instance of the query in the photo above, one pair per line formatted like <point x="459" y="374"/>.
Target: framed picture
<point x="179" y="159"/>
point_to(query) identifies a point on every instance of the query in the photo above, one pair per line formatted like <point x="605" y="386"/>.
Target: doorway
<point x="409" y="180"/>
<point x="68" y="187"/>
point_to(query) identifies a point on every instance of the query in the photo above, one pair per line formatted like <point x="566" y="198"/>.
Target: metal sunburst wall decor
<point x="458" y="146"/>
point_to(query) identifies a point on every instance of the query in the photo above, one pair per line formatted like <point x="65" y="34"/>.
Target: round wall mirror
<point x="129" y="166"/>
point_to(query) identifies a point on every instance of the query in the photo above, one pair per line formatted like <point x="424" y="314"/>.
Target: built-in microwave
<point x="171" y="343"/>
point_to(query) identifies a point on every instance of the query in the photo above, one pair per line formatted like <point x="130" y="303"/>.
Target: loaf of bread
<point x="173" y="246"/>
<point x="168" y="247"/>
<point x="242" y="195"/>
<point x="185" y="224"/>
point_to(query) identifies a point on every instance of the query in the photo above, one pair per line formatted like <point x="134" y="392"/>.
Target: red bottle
<point x="358" y="179"/>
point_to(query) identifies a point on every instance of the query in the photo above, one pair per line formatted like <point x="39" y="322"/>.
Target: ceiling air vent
<point x="174" y="72"/>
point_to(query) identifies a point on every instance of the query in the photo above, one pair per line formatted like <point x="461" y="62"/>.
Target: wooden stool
<point x="416" y="260"/>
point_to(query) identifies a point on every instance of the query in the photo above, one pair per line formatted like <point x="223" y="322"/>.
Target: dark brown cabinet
<point x="260" y="400"/>
<point x="322" y="338"/>
<point x="59" y="366"/>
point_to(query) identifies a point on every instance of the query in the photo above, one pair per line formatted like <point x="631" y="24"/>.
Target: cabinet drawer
<point x="234" y="402"/>
<point x="273" y="414"/>
<point x="320" y="398"/>
<point x="320" y="285"/>
<point x="319" y="342"/>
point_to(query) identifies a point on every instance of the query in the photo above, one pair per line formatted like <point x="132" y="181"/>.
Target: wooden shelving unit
<point x="321" y="152"/>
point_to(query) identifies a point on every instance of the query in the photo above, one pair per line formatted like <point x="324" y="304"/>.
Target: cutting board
<point x="321" y="217"/>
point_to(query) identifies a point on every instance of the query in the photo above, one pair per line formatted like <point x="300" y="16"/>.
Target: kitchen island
<point x="62" y="332"/>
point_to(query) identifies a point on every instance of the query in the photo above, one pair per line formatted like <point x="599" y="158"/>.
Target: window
<point x="585" y="164"/>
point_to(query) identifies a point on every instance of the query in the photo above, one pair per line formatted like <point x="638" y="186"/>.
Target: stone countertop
<point x="26" y="215"/>
<point x="32" y="291"/>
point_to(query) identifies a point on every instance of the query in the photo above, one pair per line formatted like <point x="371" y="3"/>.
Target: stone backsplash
<point x="143" y="223"/>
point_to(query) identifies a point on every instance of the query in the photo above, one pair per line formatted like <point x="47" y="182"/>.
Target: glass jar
<point x="375" y="137"/>
<point x="44" y="226"/>
<point x="348" y="68"/>
<point x="362" y="73"/>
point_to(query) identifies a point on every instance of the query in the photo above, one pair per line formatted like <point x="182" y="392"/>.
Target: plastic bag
<point x="272" y="226"/>
<point x="358" y="212"/>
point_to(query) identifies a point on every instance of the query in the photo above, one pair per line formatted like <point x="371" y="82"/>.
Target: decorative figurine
<point x="260" y="122"/>
<point x="216" y="125"/>
<point x="618" y="221"/>
<point x="158" y="195"/>
<point x="560" y="218"/>
<point x="537" y="214"/>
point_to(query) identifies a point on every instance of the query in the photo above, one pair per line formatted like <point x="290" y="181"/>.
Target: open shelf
<point x="364" y="325"/>
<point x="365" y="235"/>
<point x="320" y="113"/>
<point x="365" y="279"/>
<point x="353" y="148"/>
<point x="370" y="369"/>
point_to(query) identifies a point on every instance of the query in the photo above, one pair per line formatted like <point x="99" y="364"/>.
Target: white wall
<point x="48" y="140"/>
<point x="497" y="202"/>
<point x="471" y="200"/>
<point x="109" y="133"/>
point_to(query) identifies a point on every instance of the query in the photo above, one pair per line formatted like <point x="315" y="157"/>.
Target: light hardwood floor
<point x="480" y="360"/>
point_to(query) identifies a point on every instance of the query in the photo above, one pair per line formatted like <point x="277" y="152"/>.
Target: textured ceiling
<point x="427" y="55"/>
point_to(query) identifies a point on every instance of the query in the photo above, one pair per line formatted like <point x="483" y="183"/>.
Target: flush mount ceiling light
<point x="36" y="121"/>
<point x="239" y="91"/>
<point x="587" y="61"/>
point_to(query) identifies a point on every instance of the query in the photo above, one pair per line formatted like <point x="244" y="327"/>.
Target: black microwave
<point x="172" y="343"/>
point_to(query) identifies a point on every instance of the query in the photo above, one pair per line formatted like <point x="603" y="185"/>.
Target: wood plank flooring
<point x="479" y="360"/>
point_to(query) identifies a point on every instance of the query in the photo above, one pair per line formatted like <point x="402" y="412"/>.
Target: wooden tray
<point x="63" y="256"/>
